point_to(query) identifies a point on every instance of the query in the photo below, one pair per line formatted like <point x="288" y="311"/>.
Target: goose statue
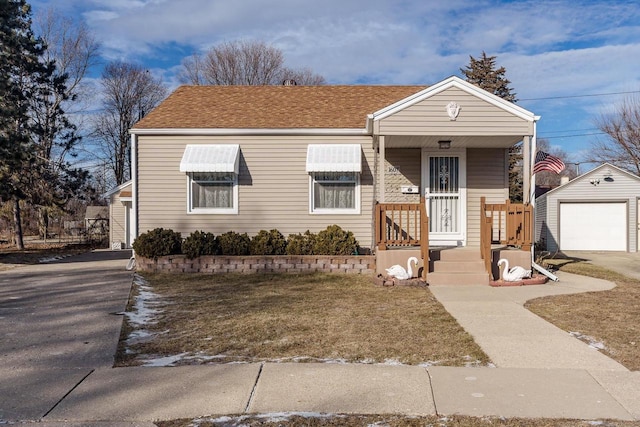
<point x="514" y="274"/>
<point x="399" y="272"/>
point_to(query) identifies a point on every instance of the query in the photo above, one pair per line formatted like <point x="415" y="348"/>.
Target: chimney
<point x="564" y="180"/>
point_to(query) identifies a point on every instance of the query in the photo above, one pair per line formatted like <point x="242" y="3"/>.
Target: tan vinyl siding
<point x="402" y="167"/>
<point x="486" y="176"/>
<point x="477" y="118"/>
<point x="621" y="187"/>
<point x="118" y="218"/>
<point x="541" y="219"/>
<point x="273" y="187"/>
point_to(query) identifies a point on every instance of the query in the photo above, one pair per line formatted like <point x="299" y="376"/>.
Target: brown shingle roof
<point x="272" y="107"/>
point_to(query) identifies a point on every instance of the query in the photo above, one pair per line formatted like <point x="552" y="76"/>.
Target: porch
<point x="402" y="230"/>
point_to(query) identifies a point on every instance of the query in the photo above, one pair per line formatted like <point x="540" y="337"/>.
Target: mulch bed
<point x="381" y="280"/>
<point x="535" y="280"/>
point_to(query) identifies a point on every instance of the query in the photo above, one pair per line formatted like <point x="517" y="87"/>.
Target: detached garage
<point x="597" y="211"/>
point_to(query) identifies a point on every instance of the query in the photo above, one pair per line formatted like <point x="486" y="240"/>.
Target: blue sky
<point x="569" y="61"/>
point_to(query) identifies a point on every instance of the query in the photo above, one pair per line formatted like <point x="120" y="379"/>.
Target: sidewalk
<point x="541" y="372"/>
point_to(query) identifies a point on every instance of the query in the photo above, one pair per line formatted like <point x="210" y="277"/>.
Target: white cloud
<point x="550" y="48"/>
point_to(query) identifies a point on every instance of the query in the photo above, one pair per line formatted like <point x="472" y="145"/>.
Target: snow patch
<point x="590" y="341"/>
<point x="275" y="417"/>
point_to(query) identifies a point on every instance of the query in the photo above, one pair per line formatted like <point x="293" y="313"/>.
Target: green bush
<point x="335" y="241"/>
<point x="200" y="243"/>
<point x="158" y="242"/>
<point x="268" y="243"/>
<point x="232" y="243"/>
<point x="301" y="244"/>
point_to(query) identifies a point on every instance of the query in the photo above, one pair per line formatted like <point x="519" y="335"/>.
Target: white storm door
<point x="444" y="196"/>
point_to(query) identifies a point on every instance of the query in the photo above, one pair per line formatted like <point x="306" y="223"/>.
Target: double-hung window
<point x="213" y="192"/>
<point x="335" y="191"/>
<point x="334" y="173"/>
<point x="212" y="178"/>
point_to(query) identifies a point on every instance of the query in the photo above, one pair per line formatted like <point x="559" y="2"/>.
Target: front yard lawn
<point x="609" y="318"/>
<point x="312" y="317"/>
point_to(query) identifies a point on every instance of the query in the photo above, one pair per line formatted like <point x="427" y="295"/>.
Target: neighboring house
<point x="595" y="211"/>
<point x="120" y="214"/>
<point x="296" y="158"/>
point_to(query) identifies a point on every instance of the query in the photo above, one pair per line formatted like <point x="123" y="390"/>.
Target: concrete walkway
<point x="59" y="329"/>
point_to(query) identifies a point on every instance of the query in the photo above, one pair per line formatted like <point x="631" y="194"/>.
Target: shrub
<point x="158" y="242"/>
<point x="335" y="241"/>
<point x="268" y="243"/>
<point x="200" y="243"/>
<point x="232" y="243"/>
<point x="301" y="244"/>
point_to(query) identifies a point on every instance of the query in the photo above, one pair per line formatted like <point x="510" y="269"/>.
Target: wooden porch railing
<point x="506" y="224"/>
<point x="403" y="224"/>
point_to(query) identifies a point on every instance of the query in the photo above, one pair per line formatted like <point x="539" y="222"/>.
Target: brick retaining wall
<point x="361" y="264"/>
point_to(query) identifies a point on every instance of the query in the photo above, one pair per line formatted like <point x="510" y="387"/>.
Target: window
<point x="212" y="178"/>
<point x="213" y="192"/>
<point x="334" y="174"/>
<point x="335" y="192"/>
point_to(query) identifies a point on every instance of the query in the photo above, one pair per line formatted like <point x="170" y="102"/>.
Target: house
<point x="296" y="158"/>
<point x="595" y="211"/>
<point x="120" y="216"/>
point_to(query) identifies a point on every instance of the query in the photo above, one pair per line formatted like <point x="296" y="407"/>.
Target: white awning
<point x="334" y="158"/>
<point x="211" y="158"/>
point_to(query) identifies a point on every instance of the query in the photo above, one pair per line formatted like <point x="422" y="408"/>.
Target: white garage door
<point x="593" y="226"/>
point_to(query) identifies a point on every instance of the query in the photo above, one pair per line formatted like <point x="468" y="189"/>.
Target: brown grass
<point x="611" y="317"/>
<point x="391" y="421"/>
<point x="315" y="317"/>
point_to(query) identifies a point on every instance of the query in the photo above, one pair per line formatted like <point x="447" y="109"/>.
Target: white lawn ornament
<point x="399" y="272"/>
<point x="515" y="274"/>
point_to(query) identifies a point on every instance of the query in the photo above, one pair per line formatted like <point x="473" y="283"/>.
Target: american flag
<point x="547" y="162"/>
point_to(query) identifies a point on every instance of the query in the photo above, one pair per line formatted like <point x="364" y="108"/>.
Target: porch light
<point x="444" y="145"/>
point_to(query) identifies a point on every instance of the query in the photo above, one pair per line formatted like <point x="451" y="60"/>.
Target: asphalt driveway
<point x="58" y="322"/>
<point x="625" y="263"/>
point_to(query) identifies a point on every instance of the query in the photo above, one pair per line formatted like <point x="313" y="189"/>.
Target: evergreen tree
<point x="30" y="123"/>
<point x="483" y="73"/>
<point x="19" y="61"/>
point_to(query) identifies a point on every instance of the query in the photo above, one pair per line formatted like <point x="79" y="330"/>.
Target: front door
<point x="444" y="176"/>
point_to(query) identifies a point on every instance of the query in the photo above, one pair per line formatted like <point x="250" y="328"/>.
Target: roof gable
<point x="117" y="189"/>
<point x="593" y="173"/>
<point x="272" y="107"/>
<point x="446" y="84"/>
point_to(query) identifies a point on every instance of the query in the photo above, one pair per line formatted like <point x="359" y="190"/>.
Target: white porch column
<point x="381" y="169"/>
<point x="133" y="231"/>
<point x="526" y="169"/>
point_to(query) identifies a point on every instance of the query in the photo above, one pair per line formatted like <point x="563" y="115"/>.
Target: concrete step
<point x="440" y="278"/>
<point x="458" y="266"/>
<point x="455" y="254"/>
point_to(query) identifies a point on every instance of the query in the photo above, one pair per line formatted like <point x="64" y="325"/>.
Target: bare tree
<point x="243" y="63"/>
<point x="73" y="49"/>
<point x="129" y="93"/>
<point x="622" y="144"/>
